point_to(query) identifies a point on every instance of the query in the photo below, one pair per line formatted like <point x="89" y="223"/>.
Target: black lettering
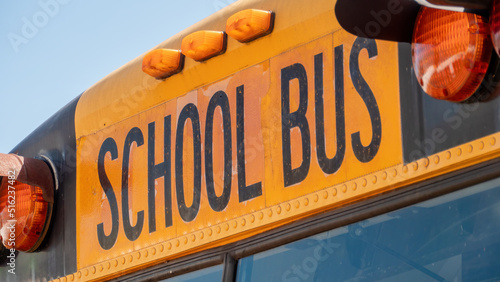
<point x="245" y="192"/>
<point x="295" y="119"/>
<point x="218" y="100"/>
<point x="328" y="165"/>
<point x="157" y="171"/>
<point x="365" y="153"/>
<point x="107" y="241"/>
<point x="132" y="232"/>
<point x="189" y="111"/>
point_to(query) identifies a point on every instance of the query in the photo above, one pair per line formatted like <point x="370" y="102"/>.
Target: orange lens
<point x="23" y="215"/>
<point x="249" y="24"/>
<point x="451" y="52"/>
<point x="495" y="25"/>
<point x="162" y="63"/>
<point x="203" y="45"/>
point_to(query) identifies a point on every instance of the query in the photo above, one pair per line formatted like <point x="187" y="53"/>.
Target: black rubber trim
<point x="467" y="4"/>
<point x="177" y="267"/>
<point x="229" y="268"/>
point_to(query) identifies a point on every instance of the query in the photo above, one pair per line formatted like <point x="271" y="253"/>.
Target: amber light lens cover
<point x="495" y="25"/>
<point x="451" y="52"/>
<point x="249" y="24"/>
<point x="204" y="44"/>
<point x="162" y="63"/>
<point x="28" y="210"/>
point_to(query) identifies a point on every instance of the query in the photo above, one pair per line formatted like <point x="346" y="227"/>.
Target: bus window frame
<point x="228" y="255"/>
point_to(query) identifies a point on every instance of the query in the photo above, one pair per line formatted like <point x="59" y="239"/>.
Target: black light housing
<point x="467" y="4"/>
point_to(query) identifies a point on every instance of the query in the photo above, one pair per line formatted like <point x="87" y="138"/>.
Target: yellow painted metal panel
<point x="288" y="84"/>
<point x="247" y="112"/>
<point x="94" y="205"/>
<point x="378" y="72"/>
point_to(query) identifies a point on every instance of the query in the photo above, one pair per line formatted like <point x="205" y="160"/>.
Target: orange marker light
<point x="495" y="25"/>
<point x="162" y="63"/>
<point x="451" y="52"/>
<point x="250" y="24"/>
<point x="202" y="45"/>
<point x="23" y="205"/>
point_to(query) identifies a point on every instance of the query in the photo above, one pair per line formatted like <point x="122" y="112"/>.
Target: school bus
<point x="274" y="141"/>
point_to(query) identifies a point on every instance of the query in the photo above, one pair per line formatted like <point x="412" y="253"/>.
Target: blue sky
<point x="52" y="50"/>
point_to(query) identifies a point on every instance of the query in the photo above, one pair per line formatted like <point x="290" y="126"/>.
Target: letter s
<point x="107" y="241"/>
<point x="365" y="153"/>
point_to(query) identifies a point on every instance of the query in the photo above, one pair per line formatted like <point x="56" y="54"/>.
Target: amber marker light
<point x="203" y="45"/>
<point x="162" y="63"/>
<point x="250" y="24"/>
<point x="24" y="215"/>
<point x="451" y="52"/>
<point x="495" y="25"/>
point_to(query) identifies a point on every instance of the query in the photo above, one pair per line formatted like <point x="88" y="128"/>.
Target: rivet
<point x="470" y="148"/>
<point x="86" y="272"/>
<point x="493" y="141"/>
<point x="306" y="202"/>
<point x="394" y="172"/>
<point x="79" y="275"/>
<point x="252" y="218"/>
<point x="235" y="224"/>
<point x="146" y="253"/>
<point x="130" y="258"/>
<point x="185" y="240"/>
<point x="425" y="162"/>
<point x="108" y="265"/>
<point x="374" y="179"/>
<point x="226" y="226"/>
<point x="414" y="166"/>
<point x="288" y="207"/>
<point x="153" y="251"/>
<point x="448" y="155"/>
<point x="101" y="268"/>
<point x="201" y="235"/>
<point x="481" y="145"/>
<point x="354" y="186"/>
<point x="71" y="277"/>
<point x="116" y="263"/>
<point x="334" y="192"/>
<point x="193" y="238"/>
<point x="94" y="270"/>
<point x="384" y="175"/>
<point x="278" y="210"/>
<point x="261" y="215"/>
<point x="325" y="195"/>
<point x="270" y="212"/>
<point x="169" y="247"/>
<point x="459" y="152"/>
<point x="297" y="204"/>
<point x="243" y="222"/>
<point x="177" y="243"/>
<point x="364" y="182"/>
<point x="138" y="255"/>
<point x="123" y="260"/>
<point x="436" y="159"/>
<point x="405" y="169"/>
<point x="344" y="188"/>
<point x="315" y="198"/>
<point x="210" y="232"/>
